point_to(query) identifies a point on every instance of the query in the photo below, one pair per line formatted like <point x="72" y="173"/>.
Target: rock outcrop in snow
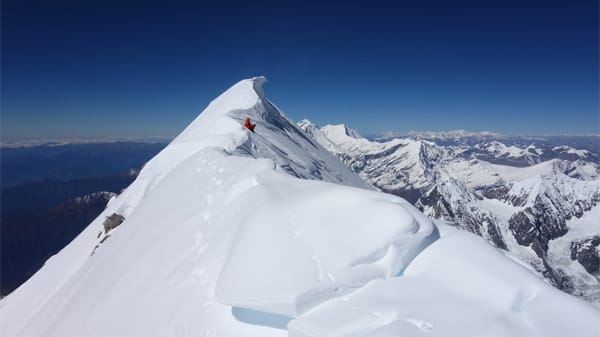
<point x="233" y="233"/>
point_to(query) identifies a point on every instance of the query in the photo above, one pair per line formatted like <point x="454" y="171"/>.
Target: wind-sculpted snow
<point x="232" y="233"/>
<point x="315" y="242"/>
<point x="459" y="286"/>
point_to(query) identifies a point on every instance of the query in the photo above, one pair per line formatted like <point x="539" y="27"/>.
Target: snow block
<point x="306" y="242"/>
<point x="458" y="286"/>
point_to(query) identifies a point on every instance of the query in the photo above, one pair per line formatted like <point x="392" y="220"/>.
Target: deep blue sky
<point x="74" y="68"/>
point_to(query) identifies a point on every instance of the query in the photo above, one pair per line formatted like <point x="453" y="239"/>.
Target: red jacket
<point x="248" y="124"/>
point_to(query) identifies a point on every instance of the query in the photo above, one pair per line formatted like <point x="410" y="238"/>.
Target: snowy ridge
<point x="233" y="233"/>
<point x="93" y="197"/>
<point x="391" y="166"/>
<point x="497" y="149"/>
<point x="316" y="134"/>
<point x="571" y="150"/>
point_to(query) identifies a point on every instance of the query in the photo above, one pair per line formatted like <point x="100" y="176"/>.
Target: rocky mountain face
<point x="539" y="201"/>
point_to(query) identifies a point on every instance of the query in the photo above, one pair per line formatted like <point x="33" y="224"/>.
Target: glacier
<point x="233" y="233"/>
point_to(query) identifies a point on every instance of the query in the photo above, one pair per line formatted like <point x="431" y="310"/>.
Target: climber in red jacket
<point x="248" y="125"/>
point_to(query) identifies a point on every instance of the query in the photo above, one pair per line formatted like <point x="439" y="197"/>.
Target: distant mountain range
<point x="534" y="197"/>
<point x="79" y="141"/>
<point x="462" y="135"/>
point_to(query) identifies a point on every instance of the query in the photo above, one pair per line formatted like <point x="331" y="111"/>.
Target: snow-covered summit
<point x="315" y="133"/>
<point x="227" y="232"/>
<point x="340" y="132"/>
<point x="306" y="124"/>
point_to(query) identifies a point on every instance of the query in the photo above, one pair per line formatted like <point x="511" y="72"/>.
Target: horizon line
<point x="61" y="141"/>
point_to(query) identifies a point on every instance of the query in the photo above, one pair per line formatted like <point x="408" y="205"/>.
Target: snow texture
<point x="311" y="255"/>
<point x="448" y="290"/>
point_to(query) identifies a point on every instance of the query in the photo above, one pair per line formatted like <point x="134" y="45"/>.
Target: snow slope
<point x="437" y="296"/>
<point x="233" y="233"/>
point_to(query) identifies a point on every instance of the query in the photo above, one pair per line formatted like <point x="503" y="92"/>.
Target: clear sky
<point x="73" y="68"/>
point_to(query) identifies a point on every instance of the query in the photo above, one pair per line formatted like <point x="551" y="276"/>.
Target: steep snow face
<point x="232" y="233"/>
<point x="316" y="134"/>
<point x="393" y="166"/>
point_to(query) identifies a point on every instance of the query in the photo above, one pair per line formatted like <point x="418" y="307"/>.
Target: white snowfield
<point x="456" y="287"/>
<point x="233" y="233"/>
<point x="311" y="255"/>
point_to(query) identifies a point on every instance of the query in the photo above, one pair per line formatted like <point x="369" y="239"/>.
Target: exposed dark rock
<point x="473" y="220"/>
<point x="557" y="278"/>
<point x="494" y="191"/>
<point x="436" y="201"/>
<point x="411" y="195"/>
<point x="551" y="224"/>
<point x="517" y="201"/>
<point x="522" y="228"/>
<point x="539" y="246"/>
<point x="539" y="224"/>
<point x="495" y="236"/>
<point x="586" y="252"/>
<point x="589" y="260"/>
<point x="113" y="221"/>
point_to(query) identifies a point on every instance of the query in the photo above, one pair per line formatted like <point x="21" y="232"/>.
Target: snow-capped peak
<point x="315" y="133"/>
<point x="570" y="150"/>
<point x="338" y="133"/>
<point x="306" y="124"/>
<point x="214" y="120"/>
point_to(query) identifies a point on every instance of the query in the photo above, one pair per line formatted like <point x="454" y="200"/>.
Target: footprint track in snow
<point x="522" y="299"/>
<point x="320" y="274"/>
<point x="201" y="274"/>
<point x="421" y="325"/>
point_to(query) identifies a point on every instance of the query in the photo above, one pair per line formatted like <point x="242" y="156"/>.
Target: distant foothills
<point x="78" y="141"/>
<point x="381" y="136"/>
